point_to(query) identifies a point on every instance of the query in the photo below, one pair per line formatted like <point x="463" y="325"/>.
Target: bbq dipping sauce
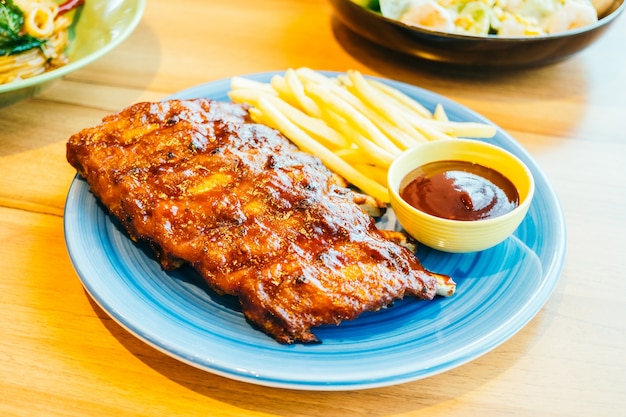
<point x="477" y="229"/>
<point x="459" y="190"/>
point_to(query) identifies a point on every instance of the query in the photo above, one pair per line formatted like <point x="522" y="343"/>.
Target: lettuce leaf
<point x="11" y="22"/>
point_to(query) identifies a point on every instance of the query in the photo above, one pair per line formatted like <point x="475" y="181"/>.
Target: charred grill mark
<point x="171" y="121"/>
<point x="257" y="218"/>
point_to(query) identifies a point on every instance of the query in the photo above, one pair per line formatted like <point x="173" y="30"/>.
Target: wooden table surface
<point x="61" y="355"/>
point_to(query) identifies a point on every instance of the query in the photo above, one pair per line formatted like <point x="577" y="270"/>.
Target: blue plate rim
<point x="551" y="263"/>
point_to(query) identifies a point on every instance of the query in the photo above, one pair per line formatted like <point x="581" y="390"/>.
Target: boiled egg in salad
<point x="507" y="18"/>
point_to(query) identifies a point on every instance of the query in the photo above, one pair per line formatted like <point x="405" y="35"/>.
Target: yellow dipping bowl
<point x="458" y="235"/>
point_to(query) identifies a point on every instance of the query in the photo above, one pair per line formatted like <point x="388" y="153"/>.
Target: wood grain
<point x="61" y="355"/>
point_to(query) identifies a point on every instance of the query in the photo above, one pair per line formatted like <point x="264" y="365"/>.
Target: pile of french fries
<point x="354" y="124"/>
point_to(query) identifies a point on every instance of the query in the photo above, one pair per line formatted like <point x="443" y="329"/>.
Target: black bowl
<point x="471" y="51"/>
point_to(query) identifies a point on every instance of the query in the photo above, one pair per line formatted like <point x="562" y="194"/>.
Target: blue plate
<point x="499" y="291"/>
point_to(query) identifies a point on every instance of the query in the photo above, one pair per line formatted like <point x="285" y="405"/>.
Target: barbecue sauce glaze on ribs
<point x="255" y="216"/>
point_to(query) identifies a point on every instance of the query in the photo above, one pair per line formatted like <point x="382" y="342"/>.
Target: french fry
<point x="328" y="157"/>
<point x="314" y="126"/>
<point x="280" y="86"/>
<point x="465" y="129"/>
<point x="377" y="173"/>
<point x="378" y="101"/>
<point x="440" y="113"/>
<point x="241" y="83"/>
<point x="353" y="155"/>
<point x="355" y="124"/>
<point x="429" y="131"/>
<point x="305" y="102"/>
<point x="259" y="117"/>
<point x="402" y="98"/>
<point x="402" y="139"/>
<point x="308" y="75"/>
<point x="424" y="130"/>
<point x="249" y="95"/>
<point x="377" y="154"/>
<point x="325" y="98"/>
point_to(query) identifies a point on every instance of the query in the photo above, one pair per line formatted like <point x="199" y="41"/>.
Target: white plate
<point x="499" y="291"/>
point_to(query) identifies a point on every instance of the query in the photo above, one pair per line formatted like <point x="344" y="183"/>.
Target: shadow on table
<point x="399" y="399"/>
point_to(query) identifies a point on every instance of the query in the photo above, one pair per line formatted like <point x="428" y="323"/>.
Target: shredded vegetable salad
<point x="507" y="18"/>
